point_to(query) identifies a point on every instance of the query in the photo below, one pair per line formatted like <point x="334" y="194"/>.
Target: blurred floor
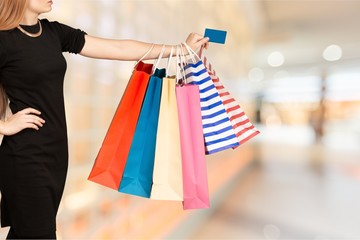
<point x="291" y="192"/>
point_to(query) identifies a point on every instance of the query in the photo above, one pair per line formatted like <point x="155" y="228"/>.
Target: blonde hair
<point x="11" y="14"/>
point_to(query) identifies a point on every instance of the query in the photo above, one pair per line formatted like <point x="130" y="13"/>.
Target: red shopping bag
<point x="110" y="162"/>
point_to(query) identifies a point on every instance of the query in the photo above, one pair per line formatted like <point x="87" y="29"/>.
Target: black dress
<point x="33" y="164"/>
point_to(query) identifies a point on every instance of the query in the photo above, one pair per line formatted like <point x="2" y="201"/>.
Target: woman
<point x="34" y="151"/>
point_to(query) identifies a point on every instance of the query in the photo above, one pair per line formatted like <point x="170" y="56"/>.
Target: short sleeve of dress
<point x="72" y="40"/>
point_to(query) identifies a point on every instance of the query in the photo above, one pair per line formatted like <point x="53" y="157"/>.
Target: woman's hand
<point x="26" y="118"/>
<point x="195" y="41"/>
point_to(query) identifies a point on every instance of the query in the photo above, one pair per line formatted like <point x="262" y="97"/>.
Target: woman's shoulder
<point x="5" y="37"/>
<point x="52" y="23"/>
<point x="47" y="22"/>
<point x="3" y="33"/>
<point x="54" y="26"/>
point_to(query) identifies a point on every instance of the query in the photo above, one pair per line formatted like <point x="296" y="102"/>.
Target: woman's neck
<point x="30" y="18"/>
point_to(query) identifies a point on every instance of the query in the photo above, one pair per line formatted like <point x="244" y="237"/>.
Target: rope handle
<point x="147" y="53"/>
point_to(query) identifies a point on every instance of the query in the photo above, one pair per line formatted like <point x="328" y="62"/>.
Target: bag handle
<point x="142" y="58"/>
<point x="179" y="67"/>
<point x="184" y="56"/>
<point x="159" y="58"/>
<point x="169" y="60"/>
<point x="192" y="53"/>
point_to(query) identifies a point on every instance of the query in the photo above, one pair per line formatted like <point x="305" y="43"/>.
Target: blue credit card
<point x="216" y="36"/>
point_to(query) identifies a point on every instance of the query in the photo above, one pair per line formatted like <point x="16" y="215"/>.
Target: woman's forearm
<point x="132" y="50"/>
<point x="126" y="50"/>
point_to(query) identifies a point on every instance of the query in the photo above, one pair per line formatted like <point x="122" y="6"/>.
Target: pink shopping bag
<point x="195" y="183"/>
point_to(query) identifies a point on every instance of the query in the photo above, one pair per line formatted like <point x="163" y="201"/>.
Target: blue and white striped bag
<point x="218" y="131"/>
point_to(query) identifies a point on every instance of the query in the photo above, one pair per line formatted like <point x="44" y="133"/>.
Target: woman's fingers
<point x="33" y="119"/>
<point x="32" y="125"/>
<point x="29" y="116"/>
<point x="30" y="111"/>
<point x="206" y="46"/>
<point x="195" y="40"/>
<point x="203" y="40"/>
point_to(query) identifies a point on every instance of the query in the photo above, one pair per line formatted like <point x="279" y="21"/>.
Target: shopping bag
<point x="195" y="182"/>
<point x="218" y="132"/>
<point x="167" y="175"/>
<point x="110" y="162"/>
<point x="138" y="172"/>
<point x="244" y="129"/>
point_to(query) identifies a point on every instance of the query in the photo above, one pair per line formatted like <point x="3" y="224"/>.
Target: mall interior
<point x="292" y="65"/>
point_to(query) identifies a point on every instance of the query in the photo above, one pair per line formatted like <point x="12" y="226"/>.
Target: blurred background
<point x="294" y="67"/>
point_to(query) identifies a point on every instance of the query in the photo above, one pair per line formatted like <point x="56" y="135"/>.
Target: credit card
<point x="216" y="36"/>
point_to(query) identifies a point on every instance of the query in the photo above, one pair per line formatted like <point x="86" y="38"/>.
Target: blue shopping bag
<point x="138" y="173"/>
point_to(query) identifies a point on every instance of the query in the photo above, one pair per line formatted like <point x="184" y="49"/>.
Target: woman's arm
<point x="132" y="50"/>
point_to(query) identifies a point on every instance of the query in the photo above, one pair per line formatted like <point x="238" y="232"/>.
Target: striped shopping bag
<point x="218" y="132"/>
<point x="244" y="129"/>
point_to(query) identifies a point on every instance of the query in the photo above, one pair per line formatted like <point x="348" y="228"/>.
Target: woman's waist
<point x="43" y="139"/>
